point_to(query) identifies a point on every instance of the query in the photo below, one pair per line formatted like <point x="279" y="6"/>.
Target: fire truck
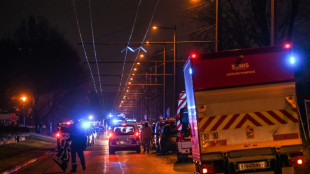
<point x="183" y="139"/>
<point x="243" y="112"/>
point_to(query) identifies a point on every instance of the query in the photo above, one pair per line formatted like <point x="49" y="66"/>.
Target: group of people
<point x="78" y="145"/>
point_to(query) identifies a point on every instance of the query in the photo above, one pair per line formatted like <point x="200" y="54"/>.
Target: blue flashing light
<point x="190" y="71"/>
<point x="115" y="121"/>
<point x="85" y="125"/>
<point x="292" y="60"/>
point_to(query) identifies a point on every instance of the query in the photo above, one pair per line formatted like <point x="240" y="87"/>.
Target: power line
<point x="95" y="52"/>
<point x="141" y="45"/>
<point x="129" y="39"/>
<point x="83" y="46"/>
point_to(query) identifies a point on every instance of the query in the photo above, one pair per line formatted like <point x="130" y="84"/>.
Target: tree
<point x="40" y="62"/>
<point x="243" y="23"/>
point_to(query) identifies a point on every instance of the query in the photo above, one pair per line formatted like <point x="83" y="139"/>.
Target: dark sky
<point x="112" y="22"/>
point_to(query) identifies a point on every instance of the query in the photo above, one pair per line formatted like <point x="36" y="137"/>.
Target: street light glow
<point x="138" y="63"/>
<point x="135" y="69"/>
<point x="141" y="55"/>
<point x="90" y="117"/>
<point x="155" y="27"/>
<point x="23" y="98"/>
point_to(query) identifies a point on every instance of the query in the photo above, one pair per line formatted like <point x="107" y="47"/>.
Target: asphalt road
<point x="98" y="160"/>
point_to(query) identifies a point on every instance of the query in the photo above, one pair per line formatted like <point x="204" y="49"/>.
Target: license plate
<point x="124" y="142"/>
<point x="251" y="166"/>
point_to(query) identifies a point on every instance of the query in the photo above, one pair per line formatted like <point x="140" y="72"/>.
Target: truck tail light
<point x="207" y="169"/>
<point x="287" y="45"/>
<point x="299" y="161"/>
<point x="204" y="170"/>
<point x="194" y="55"/>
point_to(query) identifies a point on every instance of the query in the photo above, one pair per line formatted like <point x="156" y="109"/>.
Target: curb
<point x="27" y="163"/>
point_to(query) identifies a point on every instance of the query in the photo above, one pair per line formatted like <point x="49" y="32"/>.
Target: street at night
<point x="155" y="86"/>
<point x="98" y="160"/>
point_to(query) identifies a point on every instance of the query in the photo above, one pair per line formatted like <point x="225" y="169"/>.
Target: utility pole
<point x="164" y="86"/>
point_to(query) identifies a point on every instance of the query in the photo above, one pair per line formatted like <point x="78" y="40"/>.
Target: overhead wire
<point x="142" y="42"/>
<point x="83" y="46"/>
<point x="95" y="53"/>
<point x="126" y="50"/>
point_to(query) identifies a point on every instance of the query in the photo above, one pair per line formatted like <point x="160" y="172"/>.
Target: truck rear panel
<point x="242" y="104"/>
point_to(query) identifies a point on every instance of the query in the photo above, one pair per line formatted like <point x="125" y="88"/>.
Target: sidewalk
<point x="33" y="147"/>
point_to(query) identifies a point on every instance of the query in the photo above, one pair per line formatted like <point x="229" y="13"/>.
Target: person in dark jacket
<point x="78" y="145"/>
<point x="146" y="134"/>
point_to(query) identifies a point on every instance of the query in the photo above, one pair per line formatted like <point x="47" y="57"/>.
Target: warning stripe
<point x="181" y="104"/>
<point x="231" y="121"/>
<point x="253" y="119"/>
<point x="285" y="136"/>
<point x="214" y="143"/>
<point x="261" y="116"/>
<point x="218" y="123"/>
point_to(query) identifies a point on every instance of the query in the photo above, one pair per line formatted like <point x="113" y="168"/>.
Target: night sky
<point x="112" y="21"/>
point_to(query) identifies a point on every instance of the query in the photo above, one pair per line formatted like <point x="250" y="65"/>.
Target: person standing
<point x="146" y="135"/>
<point x="78" y="145"/>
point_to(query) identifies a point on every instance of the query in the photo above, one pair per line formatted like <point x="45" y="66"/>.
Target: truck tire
<point x="278" y="167"/>
<point x="179" y="157"/>
<point x="182" y="157"/>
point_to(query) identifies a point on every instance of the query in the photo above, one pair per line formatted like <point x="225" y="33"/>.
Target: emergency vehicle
<point x="183" y="139"/>
<point x="63" y="132"/>
<point x="243" y="112"/>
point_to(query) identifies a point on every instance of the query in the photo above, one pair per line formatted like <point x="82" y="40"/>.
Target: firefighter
<point x="78" y="145"/>
<point x="146" y="135"/>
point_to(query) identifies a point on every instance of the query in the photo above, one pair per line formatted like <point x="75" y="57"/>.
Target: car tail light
<point x="110" y="134"/>
<point x="57" y="134"/>
<point x="137" y="134"/>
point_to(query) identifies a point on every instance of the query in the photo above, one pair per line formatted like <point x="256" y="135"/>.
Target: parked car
<point x="157" y="132"/>
<point x="167" y="138"/>
<point x="124" y="136"/>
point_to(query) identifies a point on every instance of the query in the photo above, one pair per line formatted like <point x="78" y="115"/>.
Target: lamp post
<point x="174" y="60"/>
<point x="24" y="99"/>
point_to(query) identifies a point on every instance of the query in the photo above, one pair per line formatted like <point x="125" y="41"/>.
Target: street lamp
<point x="174" y="58"/>
<point x="24" y="99"/>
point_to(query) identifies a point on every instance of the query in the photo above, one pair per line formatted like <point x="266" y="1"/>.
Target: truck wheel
<point x="179" y="156"/>
<point x="182" y="157"/>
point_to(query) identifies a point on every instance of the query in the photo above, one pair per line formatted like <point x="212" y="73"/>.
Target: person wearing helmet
<point x="146" y="135"/>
